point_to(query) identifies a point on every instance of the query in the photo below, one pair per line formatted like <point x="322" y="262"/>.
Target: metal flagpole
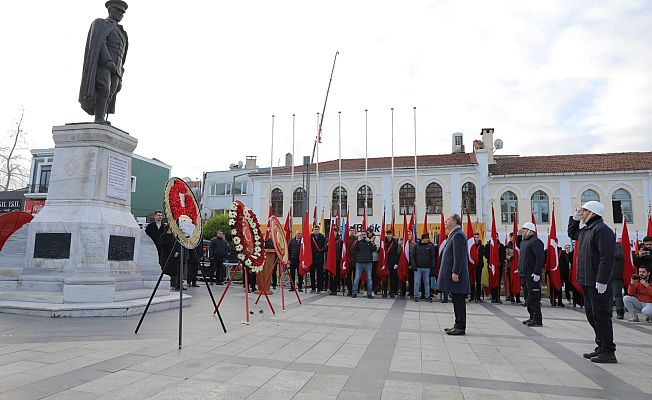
<point x="366" y="188"/>
<point x="416" y="181"/>
<point x="391" y="179"/>
<point x="339" y="138"/>
<point x="271" y="167"/>
<point x="292" y="180"/>
<point x="318" y="140"/>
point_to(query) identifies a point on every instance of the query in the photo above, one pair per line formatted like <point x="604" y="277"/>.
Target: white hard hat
<point x="529" y="226"/>
<point x="594" y="206"/>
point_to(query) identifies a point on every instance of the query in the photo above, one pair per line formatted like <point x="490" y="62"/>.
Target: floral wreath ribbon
<point x="247" y="237"/>
<point x="182" y="213"/>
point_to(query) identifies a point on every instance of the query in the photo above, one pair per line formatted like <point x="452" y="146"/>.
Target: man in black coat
<point x="596" y="244"/>
<point x="565" y="262"/>
<point x="350" y="272"/>
<point x="454" y="272"/>
<point x="476" y="284"/>
<point x="219" y="251"/>
<point x="317" y="267"/>
<point x="155" y="229"/>
<point x="617" y="280"/>
<point x="294" y="250"/>
<point x="362" y="251"/>
<point x="391" y="255"/>
<point x="335" y="281"/>
<point x="424" y="258"/>
<point x="530" y="264"/>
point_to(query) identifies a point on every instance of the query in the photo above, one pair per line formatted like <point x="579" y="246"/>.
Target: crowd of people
<point x="443" y="273"/>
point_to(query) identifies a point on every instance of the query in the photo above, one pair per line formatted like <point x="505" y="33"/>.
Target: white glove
<point x="601" y="287"/>
<point x="395" y="266"/>
<point x="577" y="216"/>
<point x="536" y="277"/>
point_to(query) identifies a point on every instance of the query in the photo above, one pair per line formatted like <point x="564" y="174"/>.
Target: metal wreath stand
<point x="188" y="242"/>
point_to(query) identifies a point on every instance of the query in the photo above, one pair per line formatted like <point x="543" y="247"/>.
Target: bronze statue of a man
<point x="104" y="58"/>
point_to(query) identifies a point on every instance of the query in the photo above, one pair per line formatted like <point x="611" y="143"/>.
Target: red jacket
<point x="641" y="292"/>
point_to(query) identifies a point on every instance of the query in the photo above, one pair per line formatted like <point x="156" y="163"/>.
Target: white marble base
<point x="118" y="309"/>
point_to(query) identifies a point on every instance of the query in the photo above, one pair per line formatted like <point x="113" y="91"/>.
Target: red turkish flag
<point x="305" y="253"/>
<point x="404" y="259"/>
<point x="552" y="262"/>
<point x="331" y="254"/>
<point x="494" y="266"/>
<point x="515" y="279"/>
<point x="628" y="269"/>
<point x="382" y="270"/>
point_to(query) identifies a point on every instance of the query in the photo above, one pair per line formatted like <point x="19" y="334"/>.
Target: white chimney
<point x="458" y="142"/>
<point x="488" y="141"/>
<point x="289" y="160"/>
<point x="250" y="162"/>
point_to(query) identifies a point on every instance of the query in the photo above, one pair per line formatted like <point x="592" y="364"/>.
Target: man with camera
<point x="640" y="295"/>
<point x="644" y="256"/>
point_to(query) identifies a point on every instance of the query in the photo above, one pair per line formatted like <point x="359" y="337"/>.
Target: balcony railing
<point x="38" y="189"/>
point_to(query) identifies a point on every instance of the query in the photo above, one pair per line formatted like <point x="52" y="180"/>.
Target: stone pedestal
<point x="85" y="245"/>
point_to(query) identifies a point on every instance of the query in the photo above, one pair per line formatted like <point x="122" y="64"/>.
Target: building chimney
<point x="250" y="162"/>
<point x="458" y="142"/>
<point x="289" y="160"/>
<point x="488" y="140"/>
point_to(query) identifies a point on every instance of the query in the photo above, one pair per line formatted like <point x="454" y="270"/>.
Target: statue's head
<point x="116" y="9"/>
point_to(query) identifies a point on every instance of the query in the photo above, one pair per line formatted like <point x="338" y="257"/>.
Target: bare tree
<point x="13" y="171"/>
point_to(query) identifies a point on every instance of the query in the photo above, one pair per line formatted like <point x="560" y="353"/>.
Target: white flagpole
<point x="416" y="180"/>
<point x="317" y="166"/>
<point x="339" y="134"/>
<point x="391" y="179"/>
<point x="366" y="188"/>
<point x="292" y="178"/>
<point x="271" y="164"/>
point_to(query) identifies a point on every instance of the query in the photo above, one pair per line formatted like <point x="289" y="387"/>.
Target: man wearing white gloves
<point x="596" y="244"/>
<point x="530" y="264"/>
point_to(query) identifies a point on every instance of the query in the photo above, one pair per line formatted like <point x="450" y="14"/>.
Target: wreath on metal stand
<point x="247" y="237"/>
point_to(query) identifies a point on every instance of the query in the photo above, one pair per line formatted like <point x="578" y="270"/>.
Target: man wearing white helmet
<point x="596" y="244"/>
<point x="530" y="264"/>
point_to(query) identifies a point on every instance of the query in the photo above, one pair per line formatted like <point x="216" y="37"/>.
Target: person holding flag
<point x="318" y="243"/>
<point x="596" y="244"/>
<point x="334" y="259"/>
<point x="349" y="259"/>
<point x="530" y="265"/>
<point x="294" y="251"/>
<point x="305" y="255"/>
<point x="391" y="260"/>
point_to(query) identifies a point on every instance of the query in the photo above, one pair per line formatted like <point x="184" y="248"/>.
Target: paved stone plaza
<point x="329" y="348"/>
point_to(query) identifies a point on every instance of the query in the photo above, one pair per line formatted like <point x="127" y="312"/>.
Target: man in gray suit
<point x="454" y="273"/>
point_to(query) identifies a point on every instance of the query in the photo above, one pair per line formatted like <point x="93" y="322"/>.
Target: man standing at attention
<point x="155" y="229"/>
<point x="104" y="58"/>
<point x="530" y="264"/>
<point x="596" y="244"/>
<point x="454" y="272"/>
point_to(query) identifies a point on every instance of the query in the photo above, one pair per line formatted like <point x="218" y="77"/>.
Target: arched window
<point x="621" y="203"/>
<point x="468" y="198"/>
<point x="540" y="207"/>
<point x="336" y="199"/>
<point x="508" y="206"/>
<point x="277" y="202"/>
<point x="589" y="195"/>
<point x="361" y="200"/>
<point x="299" y="202"/>
<point x="434" y="198"/>
<point x="406" y="198"/>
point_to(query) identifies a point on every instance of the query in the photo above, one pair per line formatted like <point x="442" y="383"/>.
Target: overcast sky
<point x="203" y="78"/>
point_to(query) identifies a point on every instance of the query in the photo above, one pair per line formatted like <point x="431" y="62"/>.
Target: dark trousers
<point x="459" y="306"/>
<point x="334" y="285"/>
<point x="617" y="290"/>
<point x="317" y="277"/>
<point x="251" y="279"/>
<point x="350" y="274"/>
<point x="533" y="299"/>
<point x="477" y="285"/>
<point x="296" y="278"/>
<point x="598" y="313"/>
<point x="193" y="266"/>
<point x="555" y="297"/>
<point x="565" y="278"/>
<point x="393" y="281"/>
<point x="220" y="271"/>
<point x="274" y="276"/>
<point x="578" y="299"/>
<point x="410" y="285"/>
<point x="524" y="288"/>
<point x="495" y="293"/>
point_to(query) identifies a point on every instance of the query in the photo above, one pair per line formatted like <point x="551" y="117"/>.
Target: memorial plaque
<point x="121" y="248"/>
<point x="92" y="246"/>
<point x="117" y="177"/>
<point x="52" y="245"/>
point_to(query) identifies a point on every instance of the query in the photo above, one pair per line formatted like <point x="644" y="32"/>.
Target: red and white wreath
<point x="247" y="237"/>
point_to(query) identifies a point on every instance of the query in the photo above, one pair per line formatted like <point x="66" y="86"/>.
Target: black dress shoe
<point x="591" y="354"/>
<point x="354" y="296"/>
<point x="527" y="321"/>
<point x="605" y="358"/>
<point x="455" y="332"/>
<point x="447" y="329"/>
<point x="534" y="324"/>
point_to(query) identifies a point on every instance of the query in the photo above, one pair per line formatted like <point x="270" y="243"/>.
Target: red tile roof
<point x="357" y="164"/>
<point x="571" y="163"/>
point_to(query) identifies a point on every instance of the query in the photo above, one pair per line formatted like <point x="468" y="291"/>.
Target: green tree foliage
<point x="218" y="222"/>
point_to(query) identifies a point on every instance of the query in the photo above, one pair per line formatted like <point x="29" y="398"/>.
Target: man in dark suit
<point x="294" y="250"/>
<point x="454" y="272"/>
<point x="317" y="267"/>
<point x="155" y="229"/>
